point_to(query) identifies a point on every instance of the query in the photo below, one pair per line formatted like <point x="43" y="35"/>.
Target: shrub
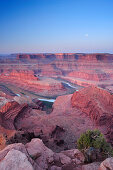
<point x="93" y="140"/>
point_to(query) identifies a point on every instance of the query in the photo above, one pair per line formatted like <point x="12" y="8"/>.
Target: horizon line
<point x="55" y="53"/>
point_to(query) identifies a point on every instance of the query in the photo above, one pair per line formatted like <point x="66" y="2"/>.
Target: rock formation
<point x="94" y="57"/>
<point x="62" y="67"/>
<point x="107" y="164"/>
<point x="94" y="75"/>
<point x="36" y="156"/>
<point x="89" y="108"/>
<point x="82" y="69"/>
<point x="23" y="118"/>
<point x="96" y="103"/>
<point x="72" y="114"/>
<point x="27" y="81"/>
<point x="23" y="75"/>
<point x="8" y="113"/>
<point x="15" y="160"/>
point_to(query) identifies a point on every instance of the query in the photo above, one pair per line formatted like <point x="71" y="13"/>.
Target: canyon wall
<point x="81" y="69"/>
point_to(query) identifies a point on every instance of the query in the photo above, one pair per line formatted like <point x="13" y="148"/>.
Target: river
<point x="52" y="100"/>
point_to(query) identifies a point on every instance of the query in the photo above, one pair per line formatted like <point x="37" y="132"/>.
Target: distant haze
<point x="53" y="26"/>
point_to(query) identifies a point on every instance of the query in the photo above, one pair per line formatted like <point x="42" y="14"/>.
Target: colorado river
<point x="47" y="100"/>
<point x="52" y="100"/>
<point x="70" y="85"/>
<point x="18" y="95"/>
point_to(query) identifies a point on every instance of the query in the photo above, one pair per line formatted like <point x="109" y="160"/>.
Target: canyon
<point x="26" y="125"/>
<point x="77" y="69"/>
<point x="47" y="101"/>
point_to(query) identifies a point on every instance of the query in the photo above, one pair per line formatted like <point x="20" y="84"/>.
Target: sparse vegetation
<point x="93" y="141"/>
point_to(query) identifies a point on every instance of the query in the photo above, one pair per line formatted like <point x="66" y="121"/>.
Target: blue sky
<point x="56" y="26"/>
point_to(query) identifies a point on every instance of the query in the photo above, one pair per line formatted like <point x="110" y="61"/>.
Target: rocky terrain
<point x="46" y="102"/>
<point x="36" y="156"/>
<point x="78" y="69"/>
<point x="41" y="141"/>
<point x="28" y="81"/>
<point x="96" y="103"/>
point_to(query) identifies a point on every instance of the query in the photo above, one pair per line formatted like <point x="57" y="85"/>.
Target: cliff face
<point x="96" y="67"/>
<point x="21" y="75"/>
<point x="80" y="69"/>
<point x="90" y="75"/>
<point x="8" y="113"/>
<point x="26" y="80"/>
<point x="95" y="102"/>
<point x="98" y="105"/>
<point x="35" y="56"/>
<point x="63" y="56"/>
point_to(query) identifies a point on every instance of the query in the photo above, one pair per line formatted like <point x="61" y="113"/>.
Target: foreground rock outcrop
<point x="107" y="164"/>
<point x="15" y="160"/>
<point x="36" y="156"/>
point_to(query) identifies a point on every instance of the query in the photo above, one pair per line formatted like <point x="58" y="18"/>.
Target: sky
<point x="54" y="26"/>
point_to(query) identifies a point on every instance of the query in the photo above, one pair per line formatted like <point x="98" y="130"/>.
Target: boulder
<point x="76" y="156"/>
<point x="16" y="146"/>
<point x="79" y="155"/>
<point x="107" y="164"/>
<point x="55" y="168"/>
<point x="19" y="147"/>
<point x="15" y="160"/>
<point x="92" y="166"/>
<point x="64" y="159"/>
<point x="40" y="153"/>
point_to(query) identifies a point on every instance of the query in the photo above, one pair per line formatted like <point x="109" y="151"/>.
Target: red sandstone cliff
<point x="96" y="103"/>
<point x="8" y="113"/>
<point x="63" y="56"/>
<point x="22" y="75"/>
<point x="89" y="67"/>
<point x="26" y="80"/>
<point x="90" y="75"/>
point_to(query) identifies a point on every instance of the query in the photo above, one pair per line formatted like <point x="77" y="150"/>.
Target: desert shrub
<point x="93" y="140"/>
